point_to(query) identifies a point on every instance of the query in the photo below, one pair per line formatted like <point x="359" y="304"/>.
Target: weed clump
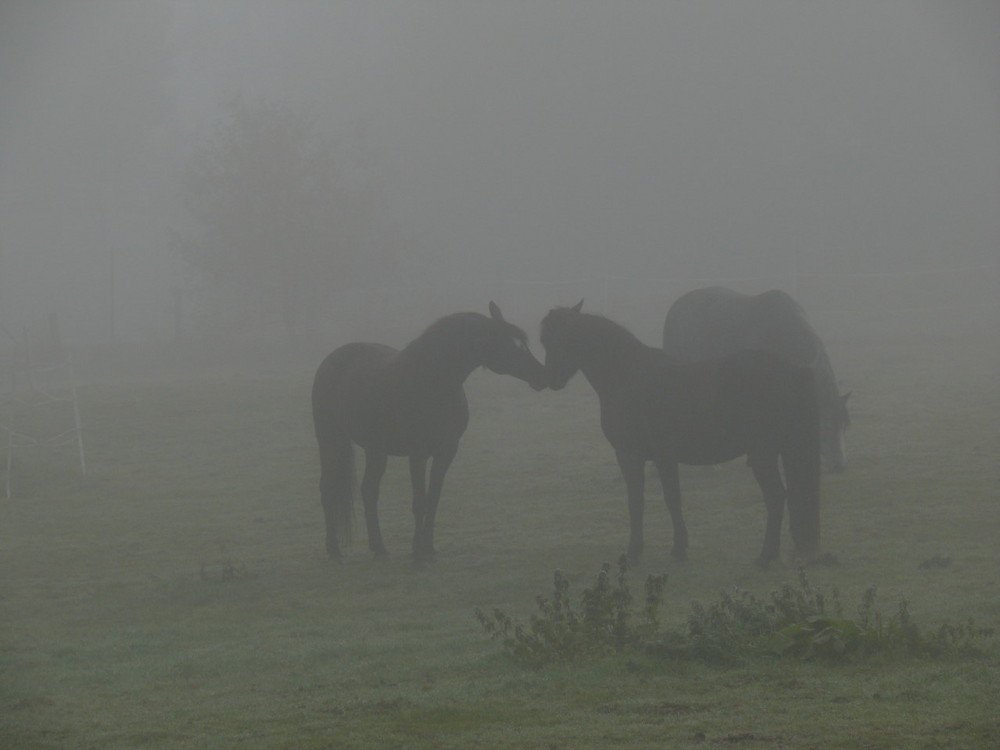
<point x="605" y="622"/>
<point x="795" y="621"/>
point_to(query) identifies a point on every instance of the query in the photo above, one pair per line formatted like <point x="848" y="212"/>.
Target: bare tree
<point x="266" y="213"/>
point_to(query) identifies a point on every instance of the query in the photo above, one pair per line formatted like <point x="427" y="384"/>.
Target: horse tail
<point x="336" y="454"/>
<point x="337" y="480"/>
<point x="801" y="462"/>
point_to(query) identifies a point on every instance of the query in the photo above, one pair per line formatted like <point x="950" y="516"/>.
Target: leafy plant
<point x="820" y="636"/>
<point x="605" y="622"/>
<point x="740" y="623"/>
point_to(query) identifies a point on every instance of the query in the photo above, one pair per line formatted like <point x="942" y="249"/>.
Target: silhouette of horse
<point x="405" y="403"/>
<point x="711" y="323"/>
<point x="654" y="408"/>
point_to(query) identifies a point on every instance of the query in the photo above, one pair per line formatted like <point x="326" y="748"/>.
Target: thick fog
<point x="532" y="151"/>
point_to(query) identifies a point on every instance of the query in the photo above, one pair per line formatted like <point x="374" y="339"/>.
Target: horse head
<point x="834" y="425"/>
<point x="503" y="349"/>
<point x="561" y="361"/>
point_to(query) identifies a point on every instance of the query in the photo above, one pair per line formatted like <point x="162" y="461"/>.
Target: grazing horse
<point x="655" y="408"/>
<point x="711" y="323"/>
<point x="405" y="403"/>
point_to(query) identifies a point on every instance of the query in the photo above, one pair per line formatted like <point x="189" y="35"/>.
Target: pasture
<point x="180" y="595"/>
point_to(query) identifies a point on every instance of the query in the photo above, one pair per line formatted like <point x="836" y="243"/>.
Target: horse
<point x="405" y="403"/>
<point x="656" y="408"/>
<point x="713" y="322"/>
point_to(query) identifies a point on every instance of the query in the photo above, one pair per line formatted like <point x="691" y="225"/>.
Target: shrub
<point x="794" y="621"/>
<point x="604" y="624"/>
<point x="820" y="636"/>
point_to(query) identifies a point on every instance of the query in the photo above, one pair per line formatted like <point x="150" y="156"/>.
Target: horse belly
<point x="688" y="417"/>
<point x="709" y="452"/>
<point x="405" y="429"/>
<point x="698" y="443"/>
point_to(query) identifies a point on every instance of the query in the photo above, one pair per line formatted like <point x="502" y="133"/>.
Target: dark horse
<point x="654" y="408"/>
<point x="714" y="322"/>
<point x="405" y="403"/>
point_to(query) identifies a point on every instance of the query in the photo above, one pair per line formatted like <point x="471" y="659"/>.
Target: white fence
<point x="39" y="407"/>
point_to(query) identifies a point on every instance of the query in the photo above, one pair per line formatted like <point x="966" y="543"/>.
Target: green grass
<point x="179" y="597"/>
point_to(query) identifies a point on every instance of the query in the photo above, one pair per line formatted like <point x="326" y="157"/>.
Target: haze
<point x="535" y="152"/>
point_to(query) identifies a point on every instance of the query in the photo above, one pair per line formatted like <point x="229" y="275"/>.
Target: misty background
<point x="216" y="173"/>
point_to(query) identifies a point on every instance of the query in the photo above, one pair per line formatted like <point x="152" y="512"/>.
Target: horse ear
<point x="577" y="306"/>
<point x="495" y="311"/>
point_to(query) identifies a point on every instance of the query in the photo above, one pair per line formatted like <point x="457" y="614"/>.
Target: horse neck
<point x="826" y="381"/>
<point x="439" y="362"/>
<point x="611" y="357"/>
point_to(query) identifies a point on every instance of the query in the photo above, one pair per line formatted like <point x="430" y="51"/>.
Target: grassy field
<point x="179" y="597"/>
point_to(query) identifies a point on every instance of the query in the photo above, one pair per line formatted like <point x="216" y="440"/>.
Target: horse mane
<point x="446" y="327"/>
<point x="603" y="326"/>
<point x="826" y="381"/>
<point x="446" y="331"/>
<point x="776" y="303"/>
<point x="592" y="319"/>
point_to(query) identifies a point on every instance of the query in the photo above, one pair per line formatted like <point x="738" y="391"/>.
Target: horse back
<point x="367" y="394"/>
<point x="343" y="368"/>
<point x="715" y="322"/>
<point x="713" y="411"/>
<point x="706" y="324"/>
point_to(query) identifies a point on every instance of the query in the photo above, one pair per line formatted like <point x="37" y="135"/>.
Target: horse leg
<point x="418" y="479"/>
<point x="633" y="470"/>
<point x="800" y="450"/>
<point x="765" y="471"/>
<point x="670" y="479"/>
<point x="375" y="463"/>
<point x="802" y="477"/>
<point x="423" y="548"/>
